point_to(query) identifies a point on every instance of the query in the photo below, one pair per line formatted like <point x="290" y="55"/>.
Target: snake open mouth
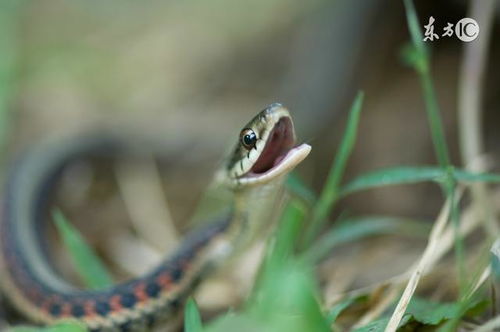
<point x="279" y="142"/>
<point x="279" y="154"/>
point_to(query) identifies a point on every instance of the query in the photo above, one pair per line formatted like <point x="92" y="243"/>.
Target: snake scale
<point x="265" y="152"/>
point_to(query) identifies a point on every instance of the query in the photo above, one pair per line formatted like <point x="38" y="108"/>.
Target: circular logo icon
<point x="467" y="29"/>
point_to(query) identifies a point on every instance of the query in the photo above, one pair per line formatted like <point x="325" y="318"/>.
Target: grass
<point x="421" y="63"/>
<point x="89" y="267"/>
<point x="330" y="192"/>
<point x="286" y="295"/>
<point x="9" y="11"/>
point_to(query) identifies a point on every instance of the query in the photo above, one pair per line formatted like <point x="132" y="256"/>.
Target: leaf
<point x="394" y="176"/>
<point x="330" y="192"/>
<point x="341" y="306"/>
<point x="465" y="176"/>
<point x="295" y="184"/>
<point x="413" y="174"/>
<point x="289" y="230"/>
<point x="495" y="259"/>
<point x="86" y="262"/>
<point x="192" y="320"/>
<point x="420" y="62"/>
<point x="380" y="324"/>
<point x="287" y="299"/>
<point x="412" y="57"/>
<point x="433" y="313"/>
<point x="357" y="228"/>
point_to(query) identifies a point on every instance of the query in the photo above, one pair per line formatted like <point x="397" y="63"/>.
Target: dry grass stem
<point x="489" y="326"/>
<point x="427" y="258"/>
<point x="380" y="307"/>
<point x="470" y="107"/>
<point x="140" y="185"/>
<point x="132" y="254"/>
<point x="482" y="279"/>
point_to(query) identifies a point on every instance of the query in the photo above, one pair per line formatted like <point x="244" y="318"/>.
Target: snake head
<point x="266" y="149"/>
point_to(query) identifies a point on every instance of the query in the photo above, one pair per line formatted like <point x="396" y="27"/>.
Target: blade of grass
<point x="462" y="307"/>
<point x="424" y="262"/>
<point x="495" y="260"/>
<point x="192" y="320"/>
<point x="356" y="229"/>
<point x="413" y="174"/>
<point x="289" y="230"/>
<point x="337" y="310"/>
<point x="466" y="176"/>
<point x="296" y="186"/>
<point x="393" y="176"/>
<point x="86" y="262"/>
<point x="450" y="186"/>
<point x="330" y="192"/>
<point x="281" y="247"/>
<point x="422" y="66"/>
<point x="288" y="299"/>
<point x="284" y="297"/>
<point x="438" y="138"/>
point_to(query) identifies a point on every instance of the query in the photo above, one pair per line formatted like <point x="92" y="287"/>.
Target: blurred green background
<point x="192" y="72"/>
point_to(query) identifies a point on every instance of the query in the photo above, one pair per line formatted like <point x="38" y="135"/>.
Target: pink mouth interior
<point x="280" y="141"/>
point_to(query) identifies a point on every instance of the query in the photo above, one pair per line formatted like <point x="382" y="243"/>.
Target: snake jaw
<point x="283" y="164"/>
<point x="275" y="153"/>
<point x="280" y="140"/>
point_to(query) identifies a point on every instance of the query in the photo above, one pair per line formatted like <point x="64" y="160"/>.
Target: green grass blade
<point x="297" y="187"/>
<point x="380" y="324"/>
<point x="466" y="176"/>
<point x="337" y="310"/>
<point x="192" y="320"/>
<point x="393" y="176"/>
<point x="413" y="174"/>
<point x="437" y="132"/>
<point x="358" y="228"/>
<point x="281" y="247"/>
<point x="330" y="192"/>
<point x="86" y="262"/>
<point x="495" y="260"/>
<point x="422" y="67"/>
<point x="289" y="230"/>
<point x="288" y="299"/>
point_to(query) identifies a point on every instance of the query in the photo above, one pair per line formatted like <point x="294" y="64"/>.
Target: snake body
<point x="264" y="153"/>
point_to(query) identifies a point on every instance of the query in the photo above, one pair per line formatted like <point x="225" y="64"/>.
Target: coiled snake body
<point x="264" y="153"/>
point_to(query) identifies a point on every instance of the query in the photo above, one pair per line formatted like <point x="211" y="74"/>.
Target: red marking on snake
<point x="115" y="303"/>
<point x="46" y="305"/>
<point x="89" y="308"/>
<point x="140" y="293"/>
<point x="66" y="310"/>
<point x="164" y="280"/>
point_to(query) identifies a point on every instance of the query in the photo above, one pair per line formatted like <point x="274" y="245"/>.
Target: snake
<point x="264" y="153"/>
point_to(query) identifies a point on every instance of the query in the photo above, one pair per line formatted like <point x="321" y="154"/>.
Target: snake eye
<point x="248" y="138"/>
